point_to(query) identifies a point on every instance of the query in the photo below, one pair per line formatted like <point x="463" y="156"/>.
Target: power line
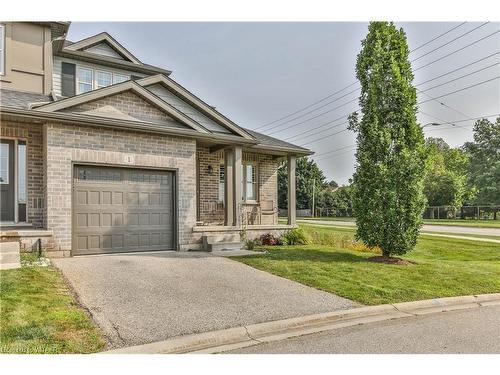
<point x="321" y="114"/>
<point x="337" y="150"/>
<point x="459" y="90"/>
<point x="334" y="156"/>
<point x="457" y="69"/>
<point x="456" y="51"/>
<point x="318" y="127"/>
<point x="444" y="105"/>
<point x="353" y="83"/>
<point x="449" y="42"/>
<point x="452" y="127"/>
<point x="325" y="137"/>
<point x="421" y="91"/>
<point x="444" y="121"/>
<point x="311" y="111"/>
<point x="437" y="37"/>
<point x="306" y="107"/>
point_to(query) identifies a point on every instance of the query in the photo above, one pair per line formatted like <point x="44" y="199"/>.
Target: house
<point x="102" y="153"/>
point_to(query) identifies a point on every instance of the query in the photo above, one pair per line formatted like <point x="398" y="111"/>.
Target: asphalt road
<point x="467" y="331"/>
<point x="452" y="229"/>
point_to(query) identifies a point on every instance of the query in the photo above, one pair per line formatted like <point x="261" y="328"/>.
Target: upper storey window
<point x="88" y="79"/>
<point x="84" y="80"/>
<point x="103" y="79"/>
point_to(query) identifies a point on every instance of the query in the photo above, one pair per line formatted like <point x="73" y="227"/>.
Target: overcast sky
<point x="255" y="73"/>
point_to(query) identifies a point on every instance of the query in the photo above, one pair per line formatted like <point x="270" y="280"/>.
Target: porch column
<point x="292" y="203"/>
<point x="228" y="186"/>
<point x="237" y="186"/>
<point x="232" y="186"/>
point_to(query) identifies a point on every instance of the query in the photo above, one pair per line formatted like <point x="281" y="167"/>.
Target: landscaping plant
<point x="388" y="197"/>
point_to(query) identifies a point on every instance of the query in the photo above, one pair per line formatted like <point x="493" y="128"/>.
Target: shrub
<point x="295" y="237"/>
<point x="250" y="244"/>
<point x="269" y="239"/>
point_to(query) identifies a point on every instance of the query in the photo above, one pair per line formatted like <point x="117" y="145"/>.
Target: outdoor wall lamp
<point x="210" y="170"/>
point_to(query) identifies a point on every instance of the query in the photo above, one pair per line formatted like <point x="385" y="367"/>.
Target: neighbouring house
<point x="102" y="153"/>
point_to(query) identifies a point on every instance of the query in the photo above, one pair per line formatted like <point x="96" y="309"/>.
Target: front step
<point x="225" y="246"/>
<point x="10" y="255"/>
<point x="219" y="242"/>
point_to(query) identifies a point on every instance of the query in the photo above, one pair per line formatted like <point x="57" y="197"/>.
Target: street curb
<point x="240" y="337"/>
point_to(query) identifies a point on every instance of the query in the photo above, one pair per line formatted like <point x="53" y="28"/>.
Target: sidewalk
<point x="250" y="335"/>
<point x="426" y="228"/>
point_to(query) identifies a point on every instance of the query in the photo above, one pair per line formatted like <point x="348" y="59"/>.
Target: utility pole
<point x="314" y="188"/>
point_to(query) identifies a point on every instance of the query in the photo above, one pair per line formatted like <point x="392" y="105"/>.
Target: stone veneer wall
<point x="267" y="170"/>
<point x="32" y="133"/>
<point x="72" y="144"/>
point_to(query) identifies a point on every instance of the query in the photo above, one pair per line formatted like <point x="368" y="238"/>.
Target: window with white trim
<point x="4" y="163"/>
<point x="221" y="182"/>
<point x="84" y="80"/>
<point x="103" y="79"/>
<point x="118" y="78"/>
<point x="88" y="79"/>
<point x="2" y="50"/>
<point x="249" y="182"/>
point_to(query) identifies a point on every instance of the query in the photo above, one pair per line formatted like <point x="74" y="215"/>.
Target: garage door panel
<point x="118" y="210"/>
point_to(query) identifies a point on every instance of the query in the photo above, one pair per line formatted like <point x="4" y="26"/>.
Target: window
<point x="103" y="79"/>
<point x="118" y="78"/>
<point x="4" y="163"/>
<point x="221" y="183"/>
<point x="21" y="172"/>
<point x="249" y="180"/>
<point x="2" y="49"/>
<point x="84" y="80"/>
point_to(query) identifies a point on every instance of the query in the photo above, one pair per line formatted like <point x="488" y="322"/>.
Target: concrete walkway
<point x="147" y="297"/>
<point x="425" y="228"/>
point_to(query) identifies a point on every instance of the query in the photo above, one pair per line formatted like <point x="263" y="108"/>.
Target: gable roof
<point x="195" y="101"/>
<point x="119" y="88"/>
<point x="103" y="37"/>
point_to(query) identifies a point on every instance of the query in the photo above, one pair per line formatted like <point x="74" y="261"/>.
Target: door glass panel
<point x="4" y="163"/>
<point x="21" y="182"/>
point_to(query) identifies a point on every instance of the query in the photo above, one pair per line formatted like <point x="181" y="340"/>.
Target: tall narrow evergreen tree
<point x="388" y="197"/>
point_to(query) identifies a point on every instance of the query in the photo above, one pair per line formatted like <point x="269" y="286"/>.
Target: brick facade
<point x="32" y="133"/>
<point x="129" y="104"/>
<point x="67" y="145"/>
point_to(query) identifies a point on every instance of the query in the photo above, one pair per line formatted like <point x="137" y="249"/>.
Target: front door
<point x="7" y="180"/>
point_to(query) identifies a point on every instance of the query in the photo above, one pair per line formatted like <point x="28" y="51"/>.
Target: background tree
<point x="484" y="167"/>
<point x="446" y="180"/>
<point x="388" y="197"/>
<point x="306" y="171"/>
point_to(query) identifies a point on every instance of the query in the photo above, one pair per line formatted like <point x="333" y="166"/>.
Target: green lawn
<point x="445" y="267"/>
<point x="40" y="315"/>
<point x="462" y="223"/>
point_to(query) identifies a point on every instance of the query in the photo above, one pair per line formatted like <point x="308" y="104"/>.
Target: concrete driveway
<point x="148" y="297"/>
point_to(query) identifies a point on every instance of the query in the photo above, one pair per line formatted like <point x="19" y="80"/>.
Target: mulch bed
<point x="391" y="260"/>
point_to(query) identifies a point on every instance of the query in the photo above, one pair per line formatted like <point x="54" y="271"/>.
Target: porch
<point x="237" y="189"/>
